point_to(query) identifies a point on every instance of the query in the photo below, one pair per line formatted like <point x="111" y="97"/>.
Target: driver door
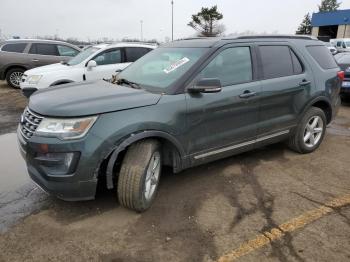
<point x="219" y="123"/>
<point x="109" y="62"/>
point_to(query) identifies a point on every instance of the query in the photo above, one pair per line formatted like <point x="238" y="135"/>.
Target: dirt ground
<point x="201" y="214"/>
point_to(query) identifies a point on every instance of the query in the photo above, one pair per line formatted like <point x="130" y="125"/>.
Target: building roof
<point x="340" y="17"/>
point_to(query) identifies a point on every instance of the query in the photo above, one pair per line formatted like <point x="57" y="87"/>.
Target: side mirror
<point x="91" y="64"/>
<point x="206" y="85"/>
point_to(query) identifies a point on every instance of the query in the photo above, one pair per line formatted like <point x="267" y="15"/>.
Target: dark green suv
<point x="184" y="104"/>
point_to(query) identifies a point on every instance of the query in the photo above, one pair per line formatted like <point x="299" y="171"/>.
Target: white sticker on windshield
<point x="176" y="65"/>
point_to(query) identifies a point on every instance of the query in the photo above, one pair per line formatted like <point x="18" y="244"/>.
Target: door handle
<point x="35" y="60"/>
<point x="247" y="94"/>
<point x="304" y="83"/>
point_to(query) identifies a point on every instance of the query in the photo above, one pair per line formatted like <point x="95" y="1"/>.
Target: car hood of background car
<point x="89" y="98"/>
<point x="48" y="69"/>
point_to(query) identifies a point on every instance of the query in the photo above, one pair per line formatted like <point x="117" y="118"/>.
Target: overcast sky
<point x="116" y="19"/>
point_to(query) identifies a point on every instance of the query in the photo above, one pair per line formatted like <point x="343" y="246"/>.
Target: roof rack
<point x="305" y="37"/>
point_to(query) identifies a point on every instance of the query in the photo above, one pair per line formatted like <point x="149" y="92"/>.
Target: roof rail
<point x="305" y="37"/>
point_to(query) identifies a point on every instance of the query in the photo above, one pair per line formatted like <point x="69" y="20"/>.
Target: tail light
<point x="341" y="75"/>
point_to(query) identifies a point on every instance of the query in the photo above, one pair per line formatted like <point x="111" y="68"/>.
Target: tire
<point x="14" y="77"/>
<point x="137" y="175"/>
<point x="310" y="131"/>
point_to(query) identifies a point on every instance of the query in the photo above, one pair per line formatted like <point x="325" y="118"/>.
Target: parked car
<point x="341" y="44"/>
<point x="95" y="62"/>
<point x="331" y="48"/>
<point x="17" y="56"/>
<point x="343" y="60"/>
<point x="186" y="103"/>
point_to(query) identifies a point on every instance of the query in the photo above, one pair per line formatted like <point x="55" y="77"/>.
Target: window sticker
<point x="176" y="65"/>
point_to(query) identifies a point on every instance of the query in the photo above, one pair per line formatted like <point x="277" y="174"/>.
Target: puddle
<point x="19" y="197"/>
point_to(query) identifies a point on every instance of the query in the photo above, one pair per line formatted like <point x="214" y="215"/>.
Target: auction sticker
<point x="176" y="65"/>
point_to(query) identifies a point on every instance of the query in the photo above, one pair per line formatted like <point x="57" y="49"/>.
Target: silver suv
<point x="17" y="56"/>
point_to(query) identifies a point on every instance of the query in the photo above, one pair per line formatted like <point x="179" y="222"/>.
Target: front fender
<point x="132" y="139"/>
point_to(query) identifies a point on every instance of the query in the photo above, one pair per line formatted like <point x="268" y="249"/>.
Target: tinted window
<point x="16" y="48"/>
<point x="322" y="56"/>
<point x="134" y="53"/>
<point x="109" y="57"/>
<point x="276" y="61"/>
<point x="64" y="50"/>
<point x="298" y="68"/>
<point x="231" y="66"/>
<point x="43" y="49"/>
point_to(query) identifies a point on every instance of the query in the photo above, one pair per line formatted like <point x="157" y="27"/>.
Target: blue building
<point x="328" y="25"/>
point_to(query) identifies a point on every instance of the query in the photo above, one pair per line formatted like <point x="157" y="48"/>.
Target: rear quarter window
<point x="14" y="48"/>
<point x="322" y="56"/>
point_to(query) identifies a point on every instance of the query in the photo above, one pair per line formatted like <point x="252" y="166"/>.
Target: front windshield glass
<point x="162" y="67"/>
<point x="82" y="55"/>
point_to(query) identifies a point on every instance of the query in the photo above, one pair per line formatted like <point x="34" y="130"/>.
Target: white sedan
<point x="94" y="63"/>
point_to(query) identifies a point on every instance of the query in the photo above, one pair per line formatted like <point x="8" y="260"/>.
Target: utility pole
<point x="172" y="20"/>
<point x="141" y="22"/>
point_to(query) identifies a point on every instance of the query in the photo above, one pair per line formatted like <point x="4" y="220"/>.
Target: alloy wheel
<point x="313" y="131"/>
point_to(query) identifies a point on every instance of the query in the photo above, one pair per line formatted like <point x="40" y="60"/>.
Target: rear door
<point x="286" y="84"/>
<point x="43" y="54"/>
<point x="221" y="122"/>
<point x="109" y="62"/>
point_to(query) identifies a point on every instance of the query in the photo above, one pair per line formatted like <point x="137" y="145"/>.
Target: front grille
<point x="29" y="123"/>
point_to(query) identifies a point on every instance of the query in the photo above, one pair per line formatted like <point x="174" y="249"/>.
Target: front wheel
<point x="139" y="175"/>
<point x="310" y="131"/>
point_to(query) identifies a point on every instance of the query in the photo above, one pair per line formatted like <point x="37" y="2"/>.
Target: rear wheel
<point x="310" y="131"/>
<point x="139" y="175"/>
<point x="14" y="77"/>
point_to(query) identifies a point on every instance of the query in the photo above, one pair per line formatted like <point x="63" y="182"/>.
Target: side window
<point x="297" y="66"/>
<point x="64" y="50"/>
<point x="339" y="44"/>
<point x="231" y="66"/>
<point x="276" y="61"/>
<point x="43" y="49"/>
<point x="15" y="48"/>
<point x="109" y="57"/>
<point x="134" y="53"/>
<point x="322" y="56"/>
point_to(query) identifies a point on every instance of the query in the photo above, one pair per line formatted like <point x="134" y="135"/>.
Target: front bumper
<point x="27" y="92"/>
<point x="76" y="186"/>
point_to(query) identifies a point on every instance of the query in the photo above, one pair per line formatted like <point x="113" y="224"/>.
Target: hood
<point x="48" y="69"/>
<point x="89" y="98"/>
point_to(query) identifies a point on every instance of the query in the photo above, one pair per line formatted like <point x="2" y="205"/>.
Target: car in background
<point x="331" y="48"/>
<point x="343" y="60"/>
<point x="341" y="44"/>
<point x="93" y="63"/>
<point x="19" y="55"/>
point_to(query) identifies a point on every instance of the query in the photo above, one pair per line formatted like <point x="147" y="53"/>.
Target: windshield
<point x="82" y="56"/>
<point x="162" y="67"/>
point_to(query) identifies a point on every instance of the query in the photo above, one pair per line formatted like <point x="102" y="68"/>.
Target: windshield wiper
<point x="129" y="83"/>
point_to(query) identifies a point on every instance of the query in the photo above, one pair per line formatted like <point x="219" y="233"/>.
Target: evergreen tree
<point x="305" y="26"/>
<point x="205" y="22"/>
<point x="328" y="5"/>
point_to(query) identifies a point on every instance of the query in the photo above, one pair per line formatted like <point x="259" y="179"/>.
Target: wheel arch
<point x="173" y="152"/>
<point x="12" y="67"/>
<point x="322" y="103"/>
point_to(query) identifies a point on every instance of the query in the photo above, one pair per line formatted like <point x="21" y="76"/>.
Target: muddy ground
<point x="199" y="215"/>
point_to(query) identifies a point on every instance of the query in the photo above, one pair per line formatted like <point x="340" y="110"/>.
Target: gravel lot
<point x="202" y="214"/>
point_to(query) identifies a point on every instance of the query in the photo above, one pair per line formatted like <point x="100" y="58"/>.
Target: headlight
<point x="34" y="79"/>
<point x="71" y="128"/>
